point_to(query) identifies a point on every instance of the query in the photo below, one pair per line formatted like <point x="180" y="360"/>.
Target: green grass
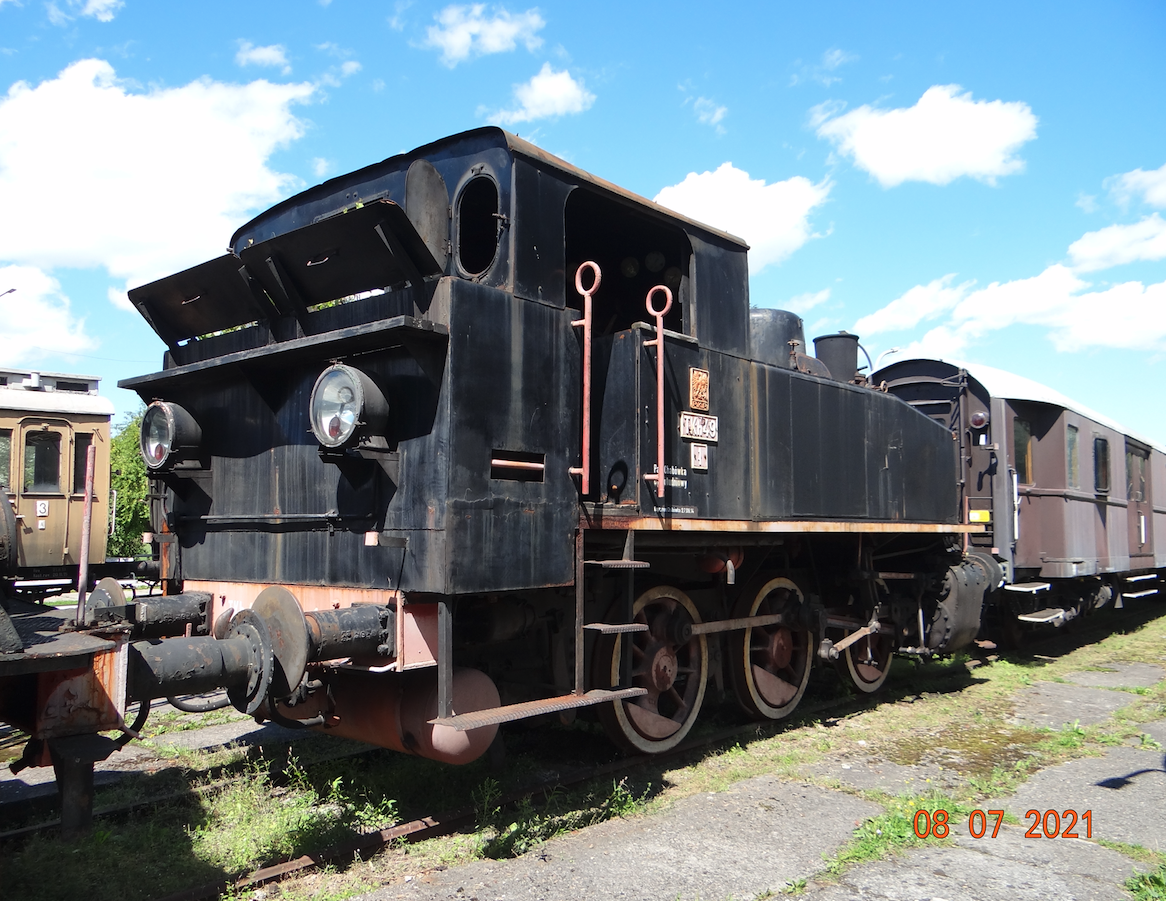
<point x="934" y="715"/>
<point x="894" y="830"/>
<point x="511" y="832"/>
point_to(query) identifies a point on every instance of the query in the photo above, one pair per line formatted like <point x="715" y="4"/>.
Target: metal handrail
<point x="658" y="343"/>
<point x="585" y="470"/>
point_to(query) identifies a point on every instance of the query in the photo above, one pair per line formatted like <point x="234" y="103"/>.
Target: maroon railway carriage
<point x="1073" y="506"/>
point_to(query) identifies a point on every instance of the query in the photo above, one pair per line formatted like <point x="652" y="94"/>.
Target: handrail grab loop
<point x="584" y="471"/>
<point x="658" y="343"/>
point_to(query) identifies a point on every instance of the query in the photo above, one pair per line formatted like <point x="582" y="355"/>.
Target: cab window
<point x="477" y="225"/>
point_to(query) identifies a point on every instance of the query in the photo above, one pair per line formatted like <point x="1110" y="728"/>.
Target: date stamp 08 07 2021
<point x="1044" y="824"/>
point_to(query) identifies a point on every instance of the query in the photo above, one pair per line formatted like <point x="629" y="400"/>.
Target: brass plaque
<point x="698" y="389"/>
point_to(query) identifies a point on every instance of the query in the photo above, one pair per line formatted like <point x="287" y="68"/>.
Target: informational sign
<point x="698" y="427"/>
<point x="698" y="389"/>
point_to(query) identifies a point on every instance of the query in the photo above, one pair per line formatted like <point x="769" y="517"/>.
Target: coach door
<point x="42" y="503"/>
<point x="1138" y="497"/>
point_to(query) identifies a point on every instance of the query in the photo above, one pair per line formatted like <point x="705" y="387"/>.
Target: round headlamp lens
<point x="157" y="435"/>
<point x="336" y="405"/>
<point x="979" y="419"/>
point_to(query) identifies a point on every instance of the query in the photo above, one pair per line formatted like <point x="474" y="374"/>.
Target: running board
<point x="616" y="628"/>
<point x="618" y="564"/>
<point x="1049" y="616"/>
<point x="1028" y="587"/>
<point x="463" y="722"/>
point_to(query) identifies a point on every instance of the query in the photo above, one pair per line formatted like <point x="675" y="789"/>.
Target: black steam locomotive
<point x="470" y="435"/>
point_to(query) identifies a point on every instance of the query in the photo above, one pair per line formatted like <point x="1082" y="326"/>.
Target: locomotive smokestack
<point x="840" y="354"/>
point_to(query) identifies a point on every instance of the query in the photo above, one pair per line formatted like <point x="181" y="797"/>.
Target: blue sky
<point x="985" y="183"/>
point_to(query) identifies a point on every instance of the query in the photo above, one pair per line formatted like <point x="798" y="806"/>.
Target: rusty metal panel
<point x="83" y="700"/>
<point x="417" y="638"/>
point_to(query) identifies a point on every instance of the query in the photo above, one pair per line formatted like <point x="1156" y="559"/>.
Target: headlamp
<point x="169" y="434"/>
<point x="346" y="405"/>
<point x="979" y="419"/>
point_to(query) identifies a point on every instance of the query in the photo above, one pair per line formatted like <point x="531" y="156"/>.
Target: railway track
<point x="434" y="825"/>
<point x="456" y="818"/>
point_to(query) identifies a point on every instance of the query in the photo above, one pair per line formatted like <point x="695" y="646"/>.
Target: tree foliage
<point x="128" y="479"/>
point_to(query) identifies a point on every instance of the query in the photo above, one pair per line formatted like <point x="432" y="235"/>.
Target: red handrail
<point x="585" y="470"/>
<point x="658" y="343"/>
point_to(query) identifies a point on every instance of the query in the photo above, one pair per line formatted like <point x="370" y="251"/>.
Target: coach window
<point x="477" y="225"/>
<point x="42" y="462"/>
<point x="1022" y="450"/>
<point x="1100" y="465"/>
<point x="5" y="457"/>
<point x="1072" y="462"/>
<point x="1135" y="475"/>
<point x="80" y="459"/>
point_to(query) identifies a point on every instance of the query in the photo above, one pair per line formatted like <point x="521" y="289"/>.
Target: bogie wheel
<point x="770" y="665"/>
<point x="867" y="663"/>
<point x="668" y="661"/>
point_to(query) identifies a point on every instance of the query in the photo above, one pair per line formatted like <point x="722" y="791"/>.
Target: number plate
<point x="698" y="427"/>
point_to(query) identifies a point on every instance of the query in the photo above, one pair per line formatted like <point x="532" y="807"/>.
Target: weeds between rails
<point x="329" y="803"/>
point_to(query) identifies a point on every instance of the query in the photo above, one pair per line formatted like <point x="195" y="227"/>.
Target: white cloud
<point x="944" y="136"/>
<point x="464" y="31"/>
<point x="397" y="19"/>
<point x="823" y="72"/>
<point x="1134" y="314"/>
<point x="320" y="167"/>
<point x="549" y="93"/>
<point x="773" y="218"/>
<point x="35" y="318"/>
<point x="158" y="180"/>
<point x="1149" y="186"/>
<point x="834" y="58"/>
<point x="349" y="67"/>
<point x="803" y="303"/>
<point x="708" y="112"/>
<point x="920" y="303"/>
<point x="272" y="55"/>
<point x="1087" y="202"/>
<point x="1117" y="244"/>
<point x="101" y="10"/>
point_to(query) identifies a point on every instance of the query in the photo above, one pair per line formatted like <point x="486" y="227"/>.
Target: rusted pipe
<point x="86" y="528"/>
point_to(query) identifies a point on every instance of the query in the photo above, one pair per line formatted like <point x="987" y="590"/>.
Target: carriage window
<point x="1073" y="463"/>
<point x="477" y="225"/>
<point x="1022" y="450"/>
<point x="42" y="462"/>
<point x="1135" y="475"/>
<point x="1100" y="464"/>
<point x="5" y="456"/>
<point x="80" y="455"/>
